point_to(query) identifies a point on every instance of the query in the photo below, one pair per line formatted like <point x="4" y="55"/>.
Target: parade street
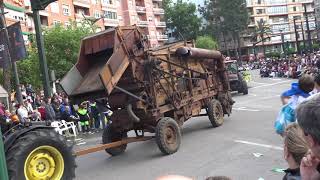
<point x="244" y="147"/>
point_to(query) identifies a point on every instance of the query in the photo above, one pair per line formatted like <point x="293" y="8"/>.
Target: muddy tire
<point x="168" y="135"/>
<point x="244" y="88"/>
<point x="109" y="136"/>
<point x="215" y="113"/>
<point x="41" y="154"/>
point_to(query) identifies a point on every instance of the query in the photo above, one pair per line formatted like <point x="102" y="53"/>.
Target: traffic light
<point x="40" y="4"/>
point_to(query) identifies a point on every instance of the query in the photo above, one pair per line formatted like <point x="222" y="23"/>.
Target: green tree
<point x="261" y="32"/>
<point x="227" y="18"/>
<point x="181" y="17"/>
<point x="206" y="42"/>
<point x="61" y="47"/>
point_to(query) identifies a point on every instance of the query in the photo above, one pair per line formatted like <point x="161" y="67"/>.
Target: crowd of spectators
<point x="290" y="67"/>
<point x="89" y="117"/>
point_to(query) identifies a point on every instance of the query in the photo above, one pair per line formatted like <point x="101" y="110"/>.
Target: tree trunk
<point x="263" y="46"/>
<point x="239" y="48"/>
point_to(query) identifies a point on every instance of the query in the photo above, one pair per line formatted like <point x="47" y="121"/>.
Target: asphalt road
<point x="206" y="151"/>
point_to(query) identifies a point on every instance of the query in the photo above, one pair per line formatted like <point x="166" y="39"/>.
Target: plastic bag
<point x="285" y="117"/>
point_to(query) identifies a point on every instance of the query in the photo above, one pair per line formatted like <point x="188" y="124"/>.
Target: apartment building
<point x="279" y="15"/>
<point x="147" y="14"/>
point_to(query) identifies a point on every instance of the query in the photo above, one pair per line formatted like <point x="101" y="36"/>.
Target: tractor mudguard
<point x="11" y="138"/>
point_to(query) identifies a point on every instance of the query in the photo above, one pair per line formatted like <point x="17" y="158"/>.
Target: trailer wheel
<point x="215" y="113"/>
<point x="109" y="136"/>
<point x="168" y="135"/>
<point x="41" y="154"/>
<point x="244" y="88"/>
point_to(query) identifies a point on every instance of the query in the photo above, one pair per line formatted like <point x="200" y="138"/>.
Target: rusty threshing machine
<point x="148" y="89"/>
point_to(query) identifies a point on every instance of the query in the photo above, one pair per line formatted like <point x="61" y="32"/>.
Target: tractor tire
<point x="244" y="88"/>
<point x="168" y="135"/>
<point x="109" y="136"/>
<point x="41" y="154"/>
<point x="215" y="113"/>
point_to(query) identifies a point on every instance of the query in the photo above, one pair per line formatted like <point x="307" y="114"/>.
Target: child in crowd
<point x="84" y="117"/>
<point x="295" y="148"/>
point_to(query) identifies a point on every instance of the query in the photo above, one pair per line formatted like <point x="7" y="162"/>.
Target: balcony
<point x="162" y="37"/>
<point x="158" y="11"/>
<point x="160" y="24"/>
<point x="111" y="22"/>
<point x="142" y="23"/>
<point x="140" y="9"/>
<point x="151" y="37"/>
<point x="107" y="7"/>
<point x="82" y="3"/>
<point x="157" y="0"/>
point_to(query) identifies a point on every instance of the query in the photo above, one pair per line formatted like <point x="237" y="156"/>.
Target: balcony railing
<point x="111" y="22"/>
<point x="141" y="9"/>
<point x="108" y="6"/>
<point x="157" y="0"/>
<point x="162" y="37"/>
<point x="158" y="11"/>
<point x="152" y="37"/>
<point x="142" y="23"/>
<point x="82" y="3"/>
<point x="160" y="24"/>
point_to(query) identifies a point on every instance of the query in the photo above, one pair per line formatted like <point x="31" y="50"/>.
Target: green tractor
<point x="237" y="79"/>
<point x="35" y="152"/>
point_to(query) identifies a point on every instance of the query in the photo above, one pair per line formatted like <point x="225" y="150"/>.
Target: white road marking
<point x="266" y="85"/>
<point x="253" y="95"/>
<point x="275" y="79"/>
<point x="81" y="143"/>
<point x="245" y="109"/>
<point x="258" y="144"/>
<point x="257" y="82"/>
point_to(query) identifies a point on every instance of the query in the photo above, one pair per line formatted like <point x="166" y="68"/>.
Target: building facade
<point x="147" y="14"/>
<point x="279" y="16"/>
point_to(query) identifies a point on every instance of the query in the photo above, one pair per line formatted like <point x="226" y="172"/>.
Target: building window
<point x="97" y="14"/>
<point x="65" y="9"/>
<point x="107" y="2"/>
<point x="258" y="1"/>
<point x="261" y="11"/>
<point x="294" y="8"/>
<point x="67" y="24"/>
<point x="54" y="7"/>
<point x="293" y="0"/>
<point x="56" y="22"/>
<point x="110" y="15"/>
<point x="120" y="18"/>
<point x="297" y="17"/>
<point x="150" y="18"/>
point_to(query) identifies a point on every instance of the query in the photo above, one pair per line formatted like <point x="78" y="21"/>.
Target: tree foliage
<point x="261" y="32"/>
<point x="61" y="47"/>
<point x="206" y="42"/>
<point x="229" y="16"/>
<point x="181" y="17"/>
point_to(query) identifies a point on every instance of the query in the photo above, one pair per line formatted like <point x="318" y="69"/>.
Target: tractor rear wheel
<point x="215" y="113"/>
<point x="110" y="135"/>
<point x="168" y="135"/>
<point x="41" y="154"/>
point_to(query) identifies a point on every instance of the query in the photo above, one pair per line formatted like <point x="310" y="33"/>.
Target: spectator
<point x="22" y="113"/>
<point x="308" y="117"/>
<point x="316" y="84"/>
<point x="295" y="147"/>
<point x="50" y="115"/>
<point x="95" y="114"/>
<point x="66" y="112"/>
<point x="84" y="117"/>
<point x="298" y="93"/>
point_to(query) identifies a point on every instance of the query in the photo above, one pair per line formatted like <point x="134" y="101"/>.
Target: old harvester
<point x="148" y="89"/>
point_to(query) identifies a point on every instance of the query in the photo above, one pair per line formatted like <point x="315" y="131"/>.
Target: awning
<point x="14" y="8"/>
